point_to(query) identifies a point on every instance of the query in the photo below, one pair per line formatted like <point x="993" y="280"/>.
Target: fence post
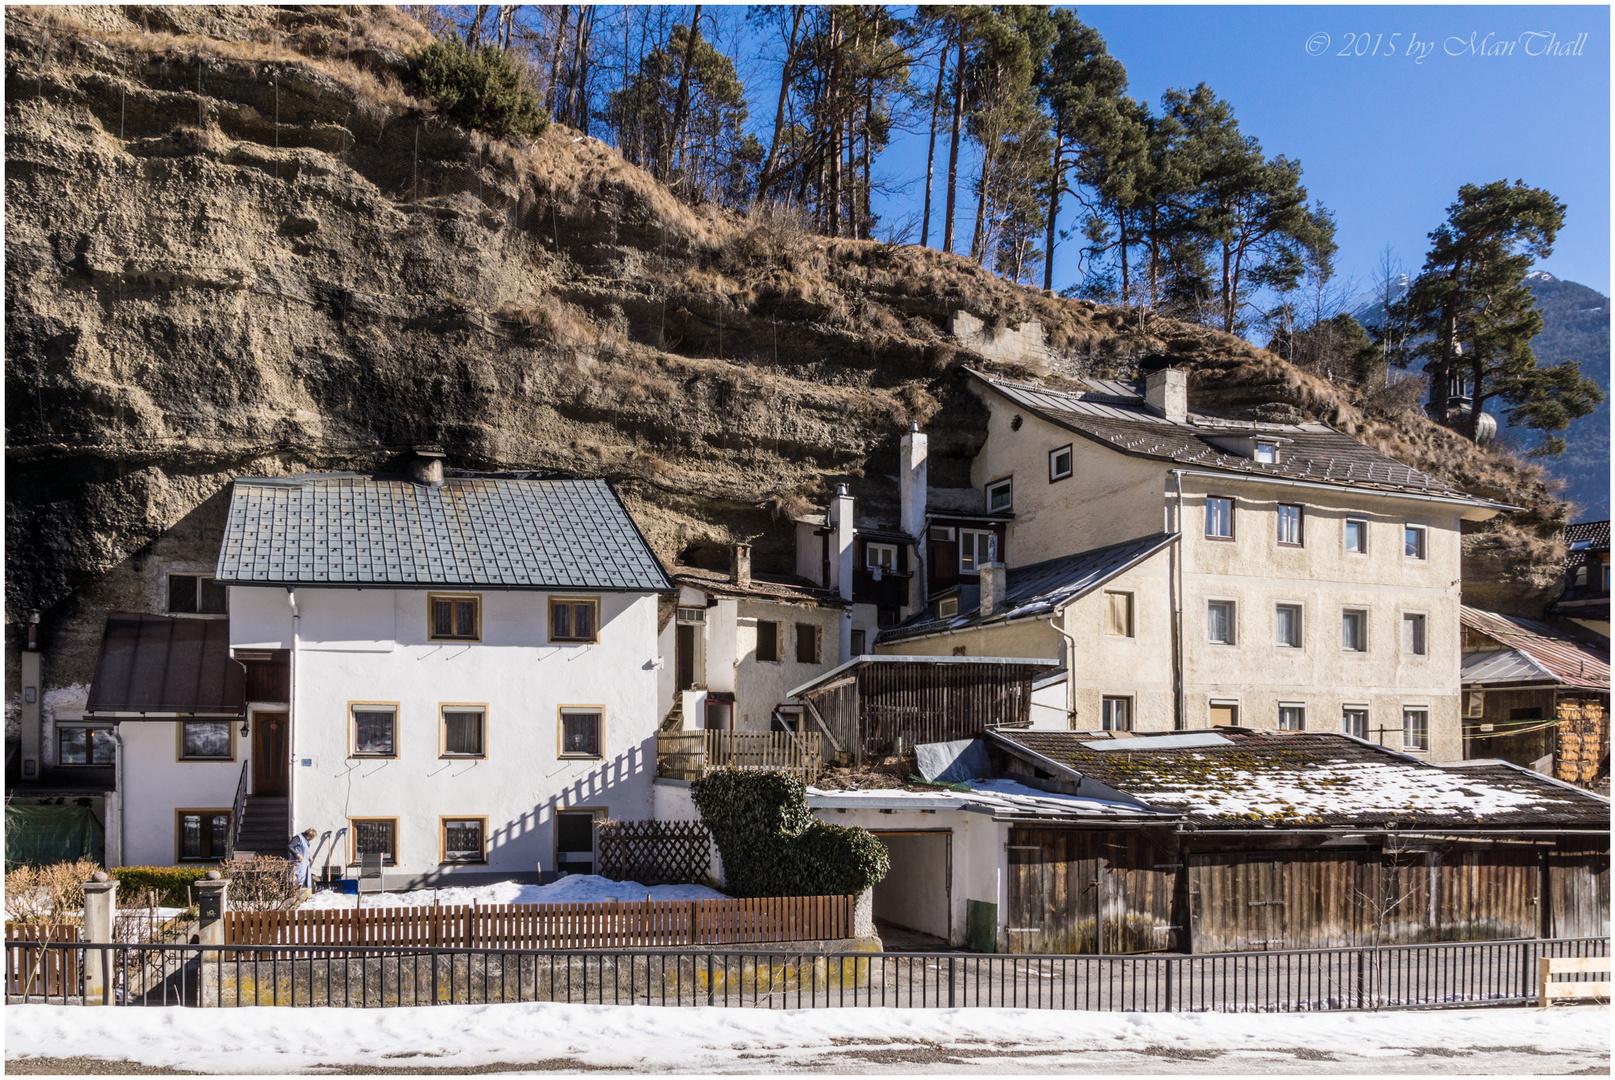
<point x="100" y="917"/>
<point x="693" y="935"/>
<point x="212" y="928"/>
<point x="950" y="982"/>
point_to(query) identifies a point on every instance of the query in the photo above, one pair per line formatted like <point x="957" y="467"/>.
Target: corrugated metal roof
<point x="1314" y="452"/>
<point x="1307" y="779"/>
<point x="1563" y="658"/>
<point x="164" y="666"/>
<point x="1502" y="666"/>
<point x="1041" y="588"/>
<point x="471" y="531"/>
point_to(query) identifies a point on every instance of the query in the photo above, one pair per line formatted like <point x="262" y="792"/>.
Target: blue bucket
<point x="348" y="886"/>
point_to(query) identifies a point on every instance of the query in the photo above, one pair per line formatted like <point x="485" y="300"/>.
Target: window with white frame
<point x="1414" y="541"/>
<point x="1413" y="638"/>
<point x="976" y="549"/>
<point x="1060" y="463"/>
<point x="1116" y="714"/>
<point x="1357" y="536"/>
<point x="1292" y="717"/>
<point x="1354" y="630"/>
<point x="998" y="496"/>
<point x="1267" y="453"/>
<point x="1223" y="712"/>
<point x="1354" y="721"/>
<point x="1287" y="626"/>
<point x="883" y="556"/>
<point x="1415" y="728"/>
<point x="1219" y="517"/>
<point x="1220" y="622"/>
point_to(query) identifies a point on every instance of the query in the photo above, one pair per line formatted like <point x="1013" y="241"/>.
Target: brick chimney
<point x="993" y="580"/>
<point x="740" y="564"/>
<point x="1166" y="390"/>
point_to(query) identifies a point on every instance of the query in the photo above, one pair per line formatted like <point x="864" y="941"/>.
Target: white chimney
<point x="992" y="588"/>
<point x="912" y="479"/>
<point x="841" y="545"/>
<point x="1166" y="390"/>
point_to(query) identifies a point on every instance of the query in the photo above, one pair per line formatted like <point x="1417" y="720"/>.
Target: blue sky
<point x="1385" y="141"/>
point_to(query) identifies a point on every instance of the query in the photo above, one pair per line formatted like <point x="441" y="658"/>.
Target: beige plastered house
<point x="1194" y="571"/>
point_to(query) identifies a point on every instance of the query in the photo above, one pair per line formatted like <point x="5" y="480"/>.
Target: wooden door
<point x="1053" y="891"/>
<point x="1235" y="903"/>
<point x="1578" y="893"/>
<point x="684" y="650"/>
<point x="271" y="753"/>
<point x="1142" y="909"/>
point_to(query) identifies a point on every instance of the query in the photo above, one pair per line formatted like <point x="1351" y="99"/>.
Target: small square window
<point x="375" y="836"/>
<point x="463" y="840"/>
<point x="1413" y="638"/>
<point x="196" y="594"/>
<point x="1220" y="622"/>
<point x="887" y="617"/>
<point x="998" y="496"/>
<point x="1059" y="463"/>
<point x="1354" y="721"/>
<point x="463" y="728"/>
<point x="375" y="729"/>
<point x="1116" y="714"/>
<point x="205" y="740"/>
<point x="1292" y="718"/>
<point x="204" y="835"/>
<point x="455" y="618"/>
<point x="947" y="607"/>
<point x="1354" y="630"/>
<point x="942" y="532"/>
<point x="1267" y="452"/>
<point x="1413" y="541"/>
<point x="1224" y="714"/>
<point x="575" y="621"/>
<point x="1356" y="536"/>
<point x="1287" y="626"/>
<point x="580" y="733"/>
<point x="1219" y="517"/>
<point x="1119" y="614"/>
<point x="768" y="650"/>
<point x="883" y="556"/>
<point x="1289" y="525"/>
<point x="807" y="643"/>
<point x="1415" y="729"/>
<point x="77" y="745"/>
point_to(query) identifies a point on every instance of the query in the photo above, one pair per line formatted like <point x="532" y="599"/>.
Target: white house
<point x="461" y="672"/>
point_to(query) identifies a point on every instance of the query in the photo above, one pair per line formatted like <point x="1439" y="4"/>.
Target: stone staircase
<point x="265" y="826"/>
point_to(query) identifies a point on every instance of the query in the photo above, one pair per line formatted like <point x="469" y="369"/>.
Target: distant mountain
<point x="1575" y="326"/>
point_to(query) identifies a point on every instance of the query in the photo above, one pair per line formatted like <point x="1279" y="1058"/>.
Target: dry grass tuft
<point x="47" y="894"/>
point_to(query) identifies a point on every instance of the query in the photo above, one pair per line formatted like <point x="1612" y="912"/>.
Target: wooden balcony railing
<point x="690" y="755"/>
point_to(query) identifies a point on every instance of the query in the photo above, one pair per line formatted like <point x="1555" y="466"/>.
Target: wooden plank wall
<point x="635" y="924"/>
<point x="1578" y="892"/>
<point x="1068" y="887"/>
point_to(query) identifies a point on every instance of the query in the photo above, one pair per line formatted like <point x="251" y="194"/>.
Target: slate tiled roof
<point x="471" y="531"/>
<point x="1039" y="589"/>
<point x="1307" y="779"/>
<point x="1593" y="534"/>
<point x="782" y="587"/>
<point x="1312" y="452"/>
<point x="1530" y="652"/>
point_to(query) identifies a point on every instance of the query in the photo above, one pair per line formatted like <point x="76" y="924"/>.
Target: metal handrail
<point x="238" y="810"/>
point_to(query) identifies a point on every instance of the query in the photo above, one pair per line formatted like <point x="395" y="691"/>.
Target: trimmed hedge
<point x="773" y="846"/>
<point x="481" y="88"/>
<point x="169" y="881"/>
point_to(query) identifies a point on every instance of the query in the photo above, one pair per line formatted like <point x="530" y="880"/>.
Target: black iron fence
<point x="1386" y="977"/>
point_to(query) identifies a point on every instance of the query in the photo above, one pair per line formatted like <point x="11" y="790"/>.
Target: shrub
<point x="481" y="88"/>
<point x="168" y="882"/>
<point x="47" y="894"/>
<point x="773" y="846"/>
<point x="261" y="883"/>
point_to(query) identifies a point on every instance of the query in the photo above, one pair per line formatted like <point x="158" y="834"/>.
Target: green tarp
<point x="38" y="834"/>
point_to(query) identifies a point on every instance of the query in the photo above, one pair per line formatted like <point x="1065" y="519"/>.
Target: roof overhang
<point x="158" y="667"/>
<point x="836" y="673"/>
<point x="1478" y="511"/>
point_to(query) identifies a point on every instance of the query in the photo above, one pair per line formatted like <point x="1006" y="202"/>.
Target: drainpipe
<point x="291" y="726"/>
<point x="117" y="783"/>
<point x="1070" y="671"/>
<point x="1180" y="719"/>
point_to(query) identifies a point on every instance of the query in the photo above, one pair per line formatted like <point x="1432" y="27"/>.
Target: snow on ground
<point x="647" y="1039"/>
<point x="576" y="888"/>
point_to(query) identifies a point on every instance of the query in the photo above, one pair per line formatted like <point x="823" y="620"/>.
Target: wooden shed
<point x="876" y="705"/>
<point x="1294" y="840"/>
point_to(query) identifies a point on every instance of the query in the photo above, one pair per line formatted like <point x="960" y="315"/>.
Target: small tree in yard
<point x="481" y="88"/>
<point x="773" y="846"/>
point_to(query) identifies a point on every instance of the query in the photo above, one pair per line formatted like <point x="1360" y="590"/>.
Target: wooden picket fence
<point x="600" y="925"/>
<point x="41" y="971"/>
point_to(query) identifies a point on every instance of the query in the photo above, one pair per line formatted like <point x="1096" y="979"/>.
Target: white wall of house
<point x="760" y="685"/>
<point x="372" y="646"/>
<point x="157" y="785"/>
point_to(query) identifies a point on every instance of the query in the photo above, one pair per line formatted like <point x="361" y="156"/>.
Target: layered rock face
<point x="236" y="244"/>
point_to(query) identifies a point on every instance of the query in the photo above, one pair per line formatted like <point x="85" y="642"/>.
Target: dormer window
<point x="1267" y="453"/>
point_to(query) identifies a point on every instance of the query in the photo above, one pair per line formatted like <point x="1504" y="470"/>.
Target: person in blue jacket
<point x="302" y="849"/>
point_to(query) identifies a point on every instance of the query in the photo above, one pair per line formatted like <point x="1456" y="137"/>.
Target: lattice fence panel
<point x="654" y="852"/>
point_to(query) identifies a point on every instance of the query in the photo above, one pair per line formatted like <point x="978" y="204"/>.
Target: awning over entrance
<point x="155" y="667"/>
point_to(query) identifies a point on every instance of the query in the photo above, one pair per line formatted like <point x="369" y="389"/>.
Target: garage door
<point x="917" y="892"/>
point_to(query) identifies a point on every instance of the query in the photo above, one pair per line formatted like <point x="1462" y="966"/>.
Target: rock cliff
<point x="236" y="243"/>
